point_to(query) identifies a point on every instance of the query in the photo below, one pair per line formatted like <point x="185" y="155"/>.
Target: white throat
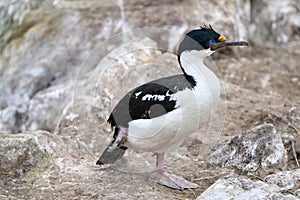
<point x="192" y="63"/>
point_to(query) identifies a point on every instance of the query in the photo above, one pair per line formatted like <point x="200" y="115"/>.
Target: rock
<point x="38" y="51"/>
<point x="286" y="180"/>
<point x="241" y="188"/>
<point x="13" y="118"/>
<point x="297" y="147"/>
<point x="297" y="193"/>
<point x="242" y="19"/>
<point x="286" y="126"/>
<point x="6" y="93"/>
<point x="45" y="109"/>
<point x="278" y="21"/>
<point x="43" y="67"/>
<point x="22" y="154"/>
<point x="35" y="164"/>
<point x="259" y="151"/>
<point x="15" y="112"/>
<point x="30" y="81"/>
<point x="51" y="66"/>
<point x="12" y="14"/>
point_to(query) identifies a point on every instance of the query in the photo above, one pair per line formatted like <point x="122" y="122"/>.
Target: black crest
<point x="198" y="39"/>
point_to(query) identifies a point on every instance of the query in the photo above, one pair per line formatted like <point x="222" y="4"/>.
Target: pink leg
<point x="122" y="136"/>
<point x="160" y="160"/>
<point x="168" y="179"/>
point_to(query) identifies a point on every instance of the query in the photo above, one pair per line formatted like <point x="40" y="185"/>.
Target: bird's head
<point x="206" y="40"/>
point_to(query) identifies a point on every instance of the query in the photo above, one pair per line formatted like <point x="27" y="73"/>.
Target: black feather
<point x="133" y="107"/>
<point x="155" y="98"/>
<point x="111" y="154"/>
<point x="198" y="39"/>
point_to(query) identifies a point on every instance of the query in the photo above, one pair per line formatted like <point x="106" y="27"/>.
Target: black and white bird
<point x="157" y="116"/>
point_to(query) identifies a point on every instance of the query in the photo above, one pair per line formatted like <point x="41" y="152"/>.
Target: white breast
<point x="167" y="132"/>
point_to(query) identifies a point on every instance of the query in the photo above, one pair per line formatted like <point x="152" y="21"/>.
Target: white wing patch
<point x="155" y="97"/>
<point x="172" y="96"/>
<point x="137" y="94"/>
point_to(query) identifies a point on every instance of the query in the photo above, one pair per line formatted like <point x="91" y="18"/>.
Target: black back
<point x="150" y="100"/>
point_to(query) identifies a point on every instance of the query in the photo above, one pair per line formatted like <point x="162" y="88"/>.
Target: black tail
<point x="111" y="154"/>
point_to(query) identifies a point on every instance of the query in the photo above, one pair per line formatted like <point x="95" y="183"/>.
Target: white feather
<point x="167" y="132"/>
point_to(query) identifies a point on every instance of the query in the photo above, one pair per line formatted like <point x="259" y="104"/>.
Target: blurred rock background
<point x="50" y="137"/>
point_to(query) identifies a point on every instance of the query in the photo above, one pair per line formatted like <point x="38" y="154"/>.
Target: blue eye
<point x="211" y="42"/>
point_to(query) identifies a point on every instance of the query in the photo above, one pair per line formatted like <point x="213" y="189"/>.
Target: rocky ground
<point x="57" y="92"/>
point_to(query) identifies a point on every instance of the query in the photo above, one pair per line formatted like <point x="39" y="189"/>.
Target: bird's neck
<point x="191" y="63"/>
<point x="196" y="72"/>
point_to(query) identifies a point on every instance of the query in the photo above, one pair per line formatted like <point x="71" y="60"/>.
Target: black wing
<point x="150" y="100"/>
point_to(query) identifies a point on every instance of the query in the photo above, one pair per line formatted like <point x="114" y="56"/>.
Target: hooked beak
<point x="222" y="42"/>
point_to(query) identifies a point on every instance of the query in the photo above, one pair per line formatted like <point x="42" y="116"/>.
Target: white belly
<point x="167" y="132"/>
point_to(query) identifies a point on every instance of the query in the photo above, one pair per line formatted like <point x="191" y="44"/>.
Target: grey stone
<point x="6" y="93"/>
<point x="46" y="107"/>
<point x="241" y="188"/>
<point x="44" y="44"/>
<point x="274" y="22"/>
<point x="12" y="118"/>
<point x="258" y="151"/>
<point x="12" y="14"/>
<point x="21" y="154"/>
<point x="297" y="193"/>
<point x="286" y="180"/>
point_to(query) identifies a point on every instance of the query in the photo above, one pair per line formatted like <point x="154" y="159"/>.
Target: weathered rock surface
<point x="67" y="167"/>
<point x="286" y="180"/>
<point x="23" y="153"/>
<point x="241" y="188"/>
<point x="71" y="29"/>
<point x="259" y="151"/>
<point x="45" y="109"/>
<point x="278" y="21"/>
<point x="43" y="44"/>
